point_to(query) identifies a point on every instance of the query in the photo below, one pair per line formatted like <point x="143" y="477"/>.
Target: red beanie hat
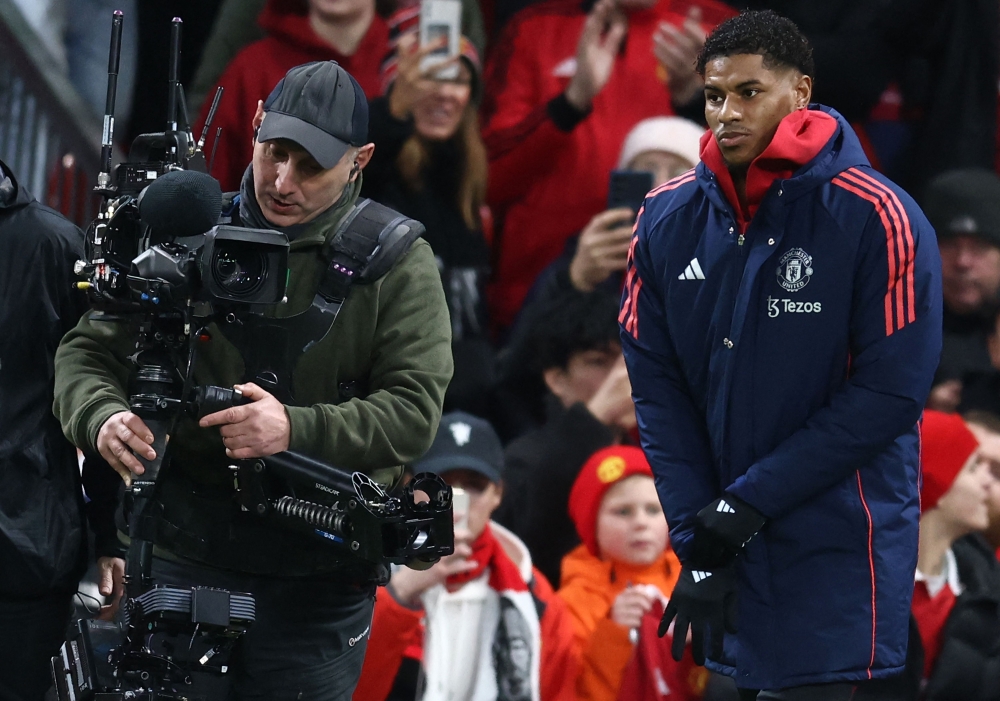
<point x="945" y="445"/>
<point x="603" y="470"/>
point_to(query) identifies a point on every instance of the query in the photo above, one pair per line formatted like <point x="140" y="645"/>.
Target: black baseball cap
<point x="965" y="202"/>
<point x="464" y="442"/>
<point x="319" y="106"/>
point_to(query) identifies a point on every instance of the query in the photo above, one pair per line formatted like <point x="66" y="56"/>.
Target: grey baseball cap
<point x="319" y="106"/>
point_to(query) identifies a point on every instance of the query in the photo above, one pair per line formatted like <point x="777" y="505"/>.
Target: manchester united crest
<point x="795" y="269"/>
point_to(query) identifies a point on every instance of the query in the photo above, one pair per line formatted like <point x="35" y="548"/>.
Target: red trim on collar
<point x="799" y="139"/>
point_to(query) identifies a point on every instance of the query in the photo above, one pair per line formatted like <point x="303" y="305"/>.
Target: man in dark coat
<point x="781" y="324"/>
<point x="42" y="541"/>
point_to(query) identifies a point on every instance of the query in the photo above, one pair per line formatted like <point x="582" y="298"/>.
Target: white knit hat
<point x="671" y="134"/>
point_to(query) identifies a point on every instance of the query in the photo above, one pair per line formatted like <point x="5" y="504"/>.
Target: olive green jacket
<point x="390" y="346"/>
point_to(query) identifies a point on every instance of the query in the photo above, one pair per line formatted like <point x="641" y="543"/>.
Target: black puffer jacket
<point x="42" y="543"/>
<point x="968" y="666"/>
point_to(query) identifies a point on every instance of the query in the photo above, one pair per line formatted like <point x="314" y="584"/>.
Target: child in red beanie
<point x="953" y="503"/>
<point x="623" y="569"/>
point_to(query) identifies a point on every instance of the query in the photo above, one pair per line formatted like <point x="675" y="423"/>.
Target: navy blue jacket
<point x="789" y="366"/>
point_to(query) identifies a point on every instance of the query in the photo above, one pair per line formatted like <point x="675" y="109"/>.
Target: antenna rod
<point x="173" y="82"/>
<point x="211" y="116"/>
<point x="185" y="122"/>
<point x="215" y="145"/>
<point x="107" y="139"/>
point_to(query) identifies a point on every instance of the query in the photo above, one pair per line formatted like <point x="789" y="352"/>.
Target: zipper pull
<point x="740" y="240"/>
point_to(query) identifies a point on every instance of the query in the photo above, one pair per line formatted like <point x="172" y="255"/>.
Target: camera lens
<point x="239" y="269"/>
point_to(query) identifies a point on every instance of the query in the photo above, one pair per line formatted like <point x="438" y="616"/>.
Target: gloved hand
<point x="705" y="602"/>
<point x="721" y="530"/>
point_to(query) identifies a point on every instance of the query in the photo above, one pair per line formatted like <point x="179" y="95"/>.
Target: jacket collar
<point x="800" y="138"/>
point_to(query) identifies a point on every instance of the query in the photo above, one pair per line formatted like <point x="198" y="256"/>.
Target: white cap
<point x="671" y="134"/>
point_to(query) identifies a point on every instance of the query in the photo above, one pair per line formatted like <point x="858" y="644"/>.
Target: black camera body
<point x="228" y="265"/>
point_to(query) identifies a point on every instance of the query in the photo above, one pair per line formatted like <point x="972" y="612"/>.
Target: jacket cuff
<point x="93" y="418"/>
<point x="304" y="426"/>
<point x="564" y="115"/>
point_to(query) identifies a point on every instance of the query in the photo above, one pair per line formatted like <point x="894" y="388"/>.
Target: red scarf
<point x="799" y="139"/>
<point x="931" y="615"/>
<point x="487" y="551"/>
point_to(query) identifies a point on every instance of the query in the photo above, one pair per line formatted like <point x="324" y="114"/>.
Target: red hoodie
<point x="257" y="69"/>
<point x="799" y="139"/>
<point x="546" y="183"/>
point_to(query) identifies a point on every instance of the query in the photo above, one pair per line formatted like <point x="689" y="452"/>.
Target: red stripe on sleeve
<point x="682" y="179"/>
<point x="911" y="306"/>
<point x="633" y="323"/>
<point x="890" y="234"/>
<point x="897" y="281"/>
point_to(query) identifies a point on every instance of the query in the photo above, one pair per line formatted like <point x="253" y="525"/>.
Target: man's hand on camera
<point x="253" y="430"/>
<point x="603" y="248"/>
<point x="112" y="582"/>
<point x="120" y="435"/>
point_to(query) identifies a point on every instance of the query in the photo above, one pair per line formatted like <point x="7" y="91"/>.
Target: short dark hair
<point x="764" y="33"/>
<point x="571" y="323"/>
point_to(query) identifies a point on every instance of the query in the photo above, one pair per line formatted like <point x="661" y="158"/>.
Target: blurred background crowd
<point x="508" y="165"/>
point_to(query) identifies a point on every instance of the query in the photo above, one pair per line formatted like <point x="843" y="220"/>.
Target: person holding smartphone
<point x="430" y="164"/>
<point x="481" y="623"/>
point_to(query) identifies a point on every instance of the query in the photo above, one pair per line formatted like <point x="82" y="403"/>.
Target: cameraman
<point x="367" y="397"/>
<point x="42" y="534"/>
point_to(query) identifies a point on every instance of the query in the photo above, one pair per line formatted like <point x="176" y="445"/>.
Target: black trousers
<point x="874" y="690"/>
<point x="308" y="640"/>
<point x="31" y="631"/>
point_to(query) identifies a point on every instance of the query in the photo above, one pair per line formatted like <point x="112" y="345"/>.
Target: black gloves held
<point x="721" y="530"/>
<point x="705" y="602"/>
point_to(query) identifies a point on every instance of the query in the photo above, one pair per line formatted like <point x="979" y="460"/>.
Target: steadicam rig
<point x="349" y="510"/>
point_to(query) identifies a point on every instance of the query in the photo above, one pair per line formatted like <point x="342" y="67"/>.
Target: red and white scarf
<point x="482" y="632"/>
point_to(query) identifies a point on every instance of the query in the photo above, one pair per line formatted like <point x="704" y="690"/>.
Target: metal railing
<point x="48" y="136"/>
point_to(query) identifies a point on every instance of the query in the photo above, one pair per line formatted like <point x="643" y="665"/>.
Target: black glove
<point x="721" y="530"/>
<point x="705" y="601"/>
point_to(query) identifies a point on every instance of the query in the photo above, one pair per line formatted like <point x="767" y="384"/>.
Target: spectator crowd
<point x="562" y="564"/>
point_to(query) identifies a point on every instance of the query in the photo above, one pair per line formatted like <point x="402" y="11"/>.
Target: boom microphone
<point x="179" y="204"/>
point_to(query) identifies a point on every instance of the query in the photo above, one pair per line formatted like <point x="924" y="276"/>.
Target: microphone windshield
<point x="180" y="203"/>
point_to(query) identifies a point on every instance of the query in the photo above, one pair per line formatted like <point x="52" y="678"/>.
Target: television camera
<point x="157" y="259"/>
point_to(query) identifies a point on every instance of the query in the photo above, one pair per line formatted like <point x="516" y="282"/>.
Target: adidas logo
<point x="725" y="508"/>
<point x="692" y="272"/>
<point x="699" y="575"/>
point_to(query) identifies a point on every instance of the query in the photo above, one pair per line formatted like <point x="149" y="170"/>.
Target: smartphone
<point x="628" y="188"/>
<point x="460" y="508"/>
<point x="439" y="19"/>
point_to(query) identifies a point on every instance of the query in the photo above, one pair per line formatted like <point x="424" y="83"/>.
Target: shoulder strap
<point x="367" y="244"/>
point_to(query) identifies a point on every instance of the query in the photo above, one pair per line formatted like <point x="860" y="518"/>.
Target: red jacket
<point x="397" y="630"/>
<point x="546" y="183"/>
<point x="257" y="69"/>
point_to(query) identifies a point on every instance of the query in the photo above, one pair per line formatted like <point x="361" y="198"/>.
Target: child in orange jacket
<point x="622" y="570"/>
